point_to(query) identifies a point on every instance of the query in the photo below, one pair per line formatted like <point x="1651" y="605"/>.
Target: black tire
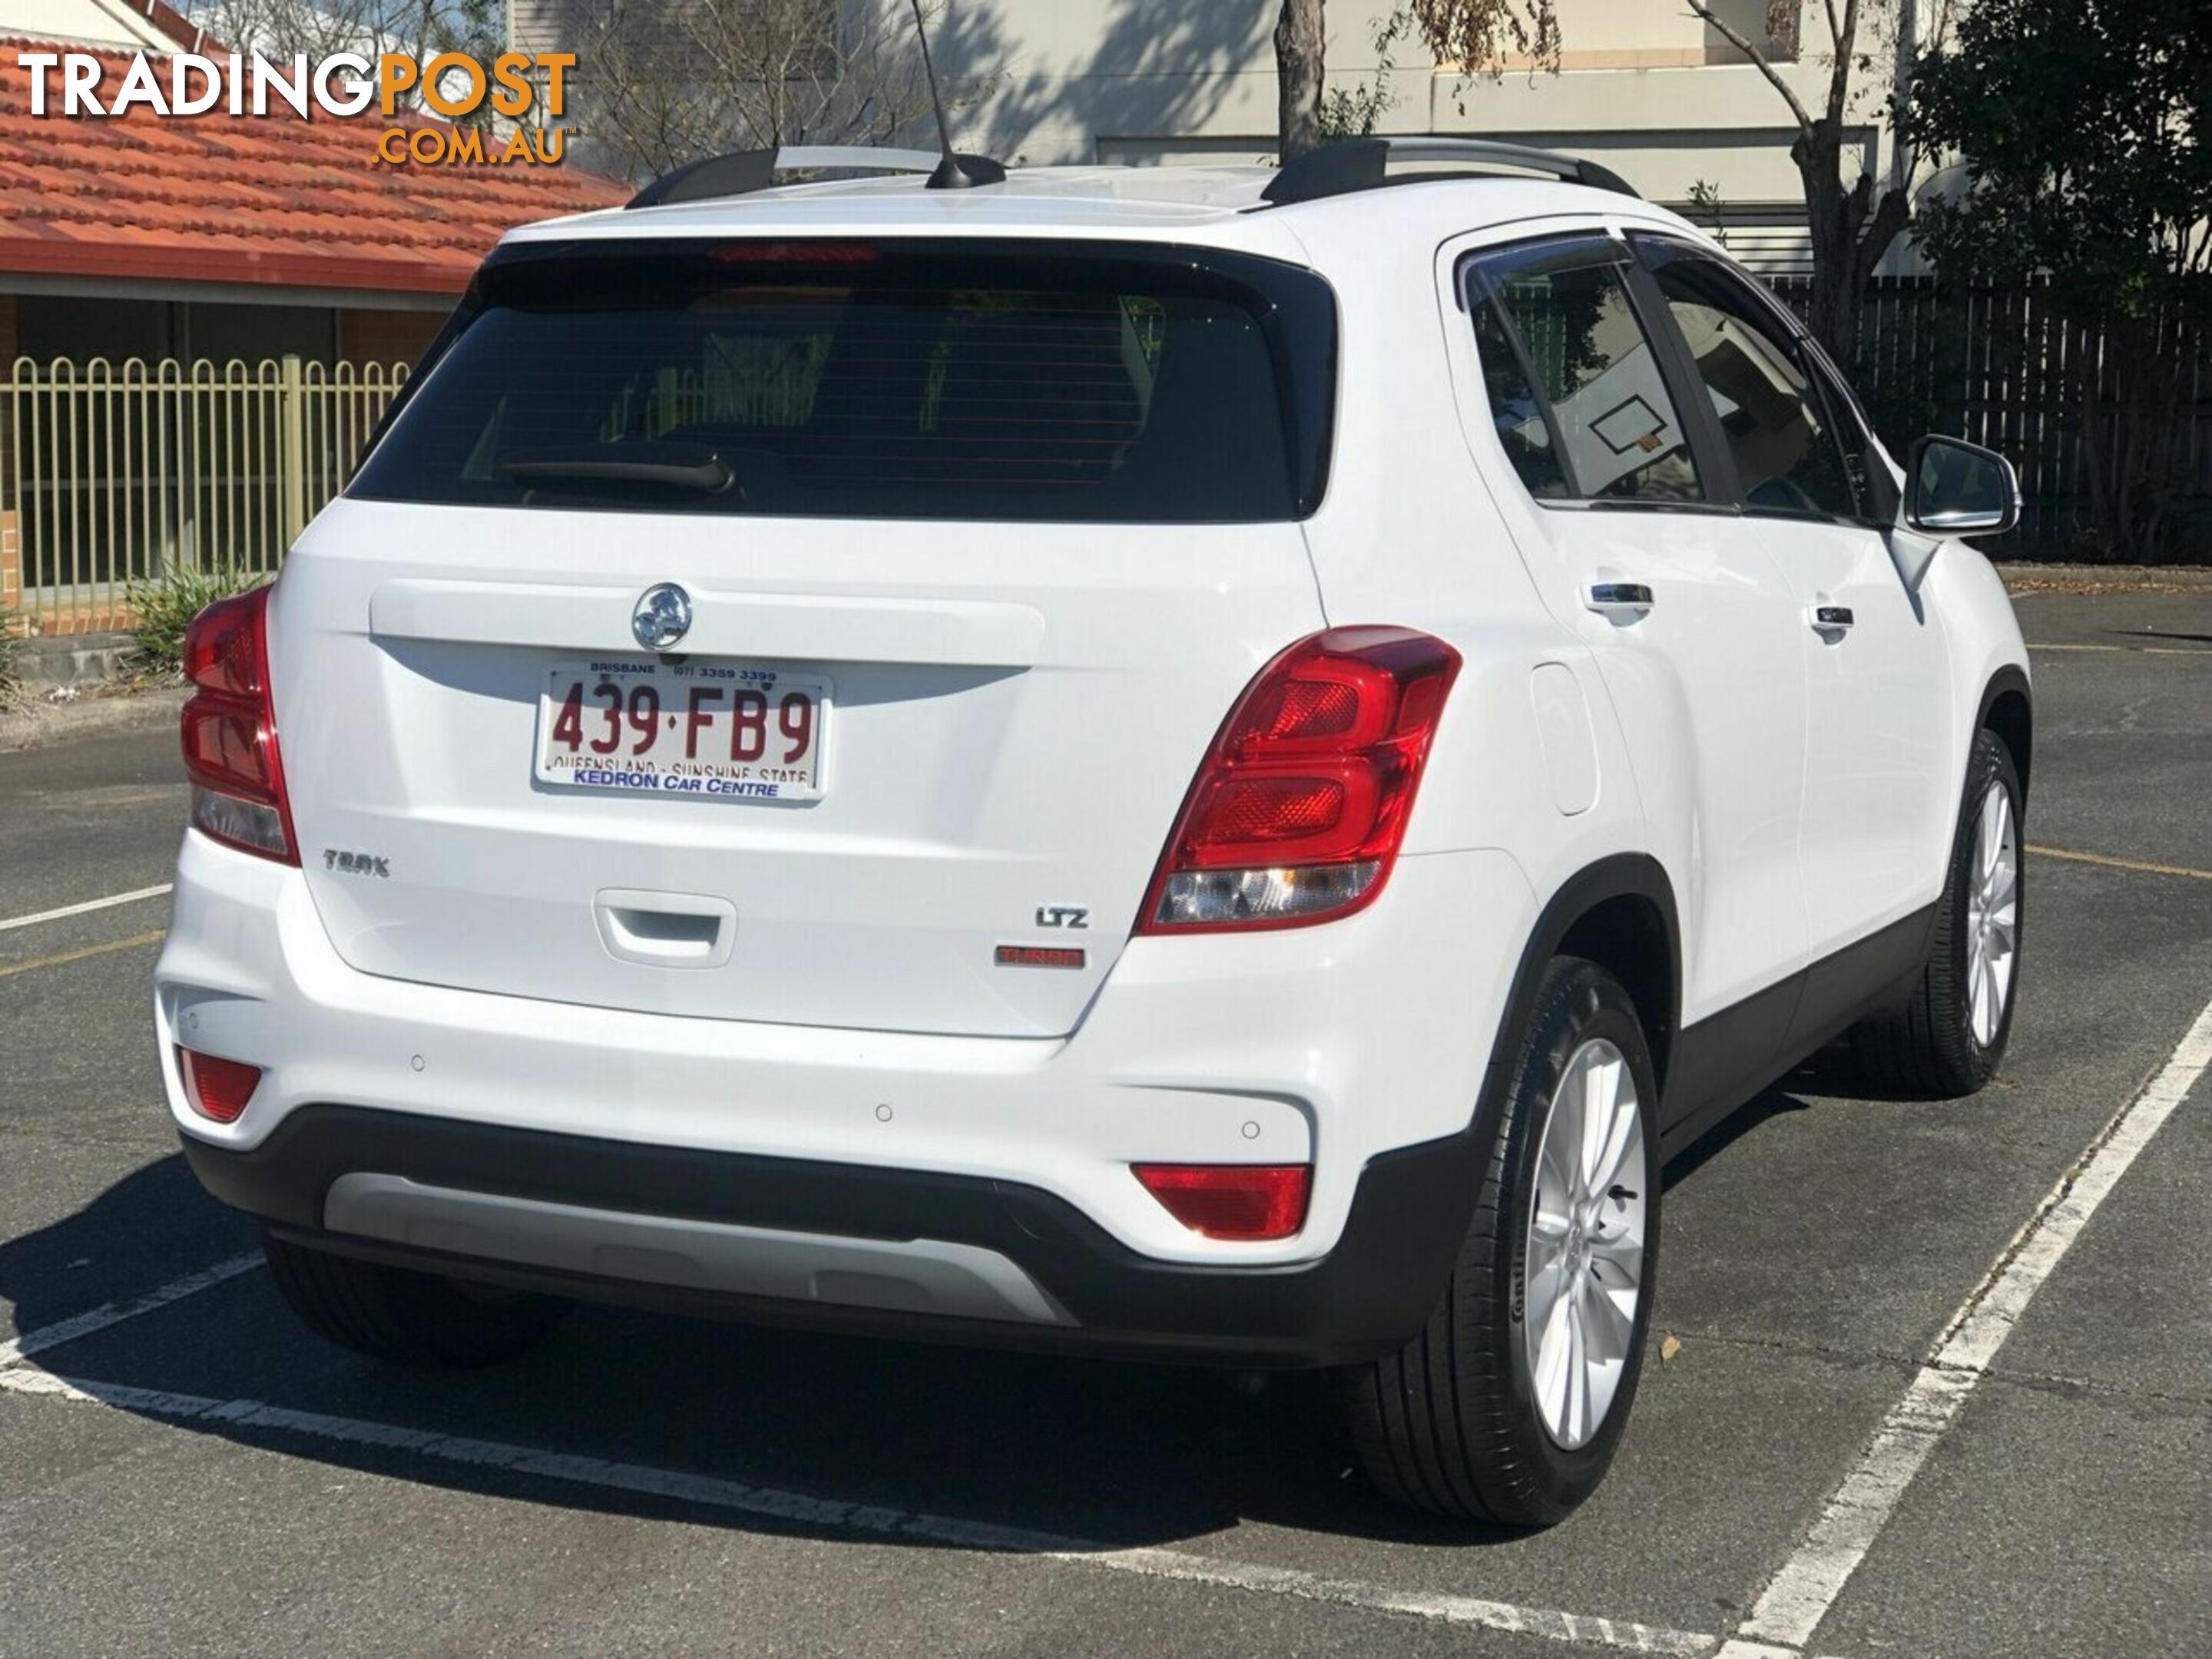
<point x="1928" y="1048"/>
<point x="1450" y="1423"/>
<point x="409" y="1318"/>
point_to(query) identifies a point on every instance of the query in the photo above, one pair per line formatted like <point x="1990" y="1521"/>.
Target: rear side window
<point x="1524" y="426"/>
<point x="1580" y="356"/>
<point x="875" y="380"/>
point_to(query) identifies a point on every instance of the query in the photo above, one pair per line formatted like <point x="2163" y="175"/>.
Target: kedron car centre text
<point x="451" y="84"/>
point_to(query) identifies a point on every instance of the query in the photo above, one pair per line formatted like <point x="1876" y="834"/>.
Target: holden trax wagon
<point x="1206" y="765"/>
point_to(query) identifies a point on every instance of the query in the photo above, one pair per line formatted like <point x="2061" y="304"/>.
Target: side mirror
<point x="1953" y="488"/>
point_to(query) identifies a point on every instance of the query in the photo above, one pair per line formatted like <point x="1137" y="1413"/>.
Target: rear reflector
<point x="217" y="1089"/>
<point x="1231" y="1201"/>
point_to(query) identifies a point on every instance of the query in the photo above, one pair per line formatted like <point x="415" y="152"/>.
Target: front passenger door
<point x="1878" y="809"/>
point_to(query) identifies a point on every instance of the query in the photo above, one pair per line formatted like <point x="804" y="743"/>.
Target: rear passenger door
<point x="1878" y="805"/>
<point x="1703" y="663"/>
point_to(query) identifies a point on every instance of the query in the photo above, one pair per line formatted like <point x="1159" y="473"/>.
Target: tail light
<point x="229" y="731"/>
<point x="1246" y="1202"/>
<point x="217" y="1088"/>
<point x="1299" y="809"/>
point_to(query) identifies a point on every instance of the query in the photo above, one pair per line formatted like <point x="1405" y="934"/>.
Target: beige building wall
<point x="1644" y="86"/>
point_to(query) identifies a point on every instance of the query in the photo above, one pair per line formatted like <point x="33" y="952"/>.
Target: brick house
<point x="216" y="237"/>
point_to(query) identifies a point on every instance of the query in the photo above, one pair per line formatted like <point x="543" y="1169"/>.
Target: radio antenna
<point x="954" y="171"/>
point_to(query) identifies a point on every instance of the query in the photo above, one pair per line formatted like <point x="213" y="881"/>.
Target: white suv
<point x="1207" y="765"/>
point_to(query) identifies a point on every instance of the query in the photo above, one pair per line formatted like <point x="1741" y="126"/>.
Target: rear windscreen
<point x="861" y="379"/>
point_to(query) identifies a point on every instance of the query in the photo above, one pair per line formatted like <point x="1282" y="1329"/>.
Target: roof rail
<point x="1354" y="164"/>
<point x="743" y="171"/>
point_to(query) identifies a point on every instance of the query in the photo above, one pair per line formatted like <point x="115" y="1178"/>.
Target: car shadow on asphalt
<point x="1115" y="1455"/>
<point x="151" y="1227"/>
<point x="1776" y="1102"/>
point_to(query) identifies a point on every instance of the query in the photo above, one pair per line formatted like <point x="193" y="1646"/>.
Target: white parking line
<point x="87" y="908"/>
<point x="1437" y="1605"/>
<point x="2134" y="650"/>
<point x="838" y="1515"/>
<point x="1778" y="1626"/>
<point x="1800" y="1595"/>
<point x="114" y="1313"/>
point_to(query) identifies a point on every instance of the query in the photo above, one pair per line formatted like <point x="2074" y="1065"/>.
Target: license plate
<point x="719" y="730"/>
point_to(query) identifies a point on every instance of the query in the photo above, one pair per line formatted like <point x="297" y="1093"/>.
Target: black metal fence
<point x="2007" y="367"/>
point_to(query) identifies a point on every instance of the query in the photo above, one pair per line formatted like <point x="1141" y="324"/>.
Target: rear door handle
<point x="1624" y="599"/>
<point x="1832" y="618"/>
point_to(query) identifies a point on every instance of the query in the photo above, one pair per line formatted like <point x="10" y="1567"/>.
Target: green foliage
<point x="167" y="606"/>
<point x="2081" y="129"/>
<point x="1355" y="111"/>
<point x="1707" y="210"/>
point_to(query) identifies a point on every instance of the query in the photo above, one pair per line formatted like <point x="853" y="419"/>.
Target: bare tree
<point x="1852" y="215"/>
<point x="661" y="82"/>
<point x="321" y="28"/>
<point x="1477" y="36"/>
<point x="278" y="29"/>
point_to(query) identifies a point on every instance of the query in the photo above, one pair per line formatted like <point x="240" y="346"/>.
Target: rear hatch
<point x="970" y="547"/>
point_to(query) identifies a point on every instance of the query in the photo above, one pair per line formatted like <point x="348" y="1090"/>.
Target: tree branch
<point x="1892" y="213"/>
<point x="1736" y="38"/>
<point x="1847" y="42"/>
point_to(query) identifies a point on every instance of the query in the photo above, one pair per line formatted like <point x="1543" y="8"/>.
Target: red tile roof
<point x="225" y="198"/>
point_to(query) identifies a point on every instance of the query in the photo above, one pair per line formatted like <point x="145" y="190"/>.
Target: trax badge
<point x="356" y="864"/>
<point x="662" y="617"/>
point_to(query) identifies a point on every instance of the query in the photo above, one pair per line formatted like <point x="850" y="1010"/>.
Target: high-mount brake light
<point x="795" y="253"/>
<point x="1299" y="809"/>
<point x="228" y="731"/>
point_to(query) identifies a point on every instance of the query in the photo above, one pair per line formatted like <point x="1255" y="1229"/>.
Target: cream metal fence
<point x="114" y="472"/>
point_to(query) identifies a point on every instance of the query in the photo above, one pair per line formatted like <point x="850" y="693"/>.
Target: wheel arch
<point x="1619" y="913"/>
<point x="2008" y="710"/>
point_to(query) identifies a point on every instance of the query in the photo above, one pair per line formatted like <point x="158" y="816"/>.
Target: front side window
<point x="1771" y="414"/>
<point x="1598" y="423"/>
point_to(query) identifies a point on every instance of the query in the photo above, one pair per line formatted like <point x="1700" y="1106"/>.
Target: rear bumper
<point x="1094" y="1294"/>
<point x="1328" y="1045"/>
<point x="1359" y="1047"/>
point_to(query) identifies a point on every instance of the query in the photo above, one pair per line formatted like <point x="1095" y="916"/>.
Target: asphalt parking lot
<point x="183" y="1470"/>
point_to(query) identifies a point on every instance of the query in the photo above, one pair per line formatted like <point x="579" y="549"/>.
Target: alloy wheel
<point x="1992" y="915"/>
<point x="1582" y="1270"/>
